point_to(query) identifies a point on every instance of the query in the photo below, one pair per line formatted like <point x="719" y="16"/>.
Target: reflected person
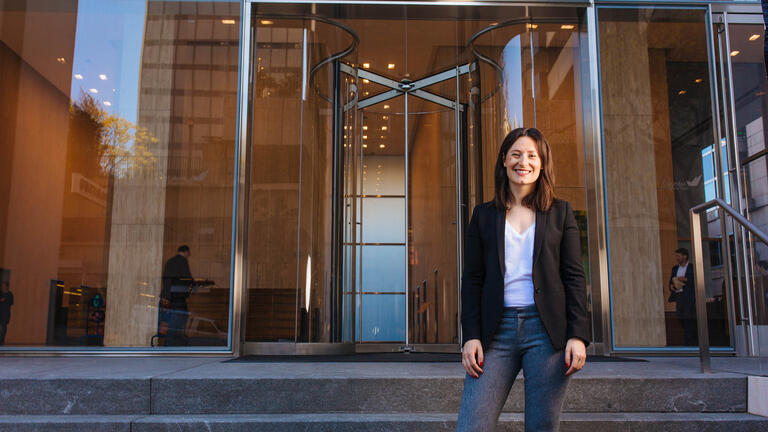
<point x="682" y="293"/>
<point x="6" y="301"/>
<point x="523" y="293"/>
<point x="177" y="286"/>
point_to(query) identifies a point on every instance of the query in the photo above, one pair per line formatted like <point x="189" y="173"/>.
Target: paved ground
<point x="217" y="367"/>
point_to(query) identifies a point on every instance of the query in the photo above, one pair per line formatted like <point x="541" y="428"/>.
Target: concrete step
<point x="343" y="422"/>
<point x="130" y="387"/>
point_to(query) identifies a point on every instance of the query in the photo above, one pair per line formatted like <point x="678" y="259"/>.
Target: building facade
<point x="296" y="177"/>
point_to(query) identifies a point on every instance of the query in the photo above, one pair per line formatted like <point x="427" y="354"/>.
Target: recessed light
<point x="61" y="60"/>
<point x="365" y="145"/>
<point x="366" y="81"/>
<point x="754" y="37"/>
<point x="390" y="66"/>
<point x="102" y="77"/>
<point x="494" y="24"/>
<point x="382" y="145"/>
<point x="366" y="65"/>
<point x="229" y="21"/>
<point x="682" y="92"/>
<point x="267" y="22"/>
<point x="365" y="127"/>
<point x="365" y="136"/>
<point x="383" y="128"/>
<point x="567" y="26"/>
<point x="107" y="103"/>
<point x="365" y="93"/>
<point x="93" y="90"/>
<point x="385" y="117"/>
<point x="699" y="80"/>
<point x="386" y="106"/>
<point x="734" y="53"/>
<point x="532" y="26"/>
<point x="78" y="76"/>
<point x="382" y="137"/>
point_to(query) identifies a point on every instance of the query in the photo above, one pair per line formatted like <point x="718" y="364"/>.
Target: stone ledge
<point x="428" y="422"/>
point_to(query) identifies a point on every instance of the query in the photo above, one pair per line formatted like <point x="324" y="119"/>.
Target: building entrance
<point x="385" y="122"/>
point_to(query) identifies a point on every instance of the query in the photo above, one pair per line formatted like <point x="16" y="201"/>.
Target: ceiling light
<point x="682" y="92"/>
<point x="61" y="60"/>
<point x="365" y="136"/>
<point x="366" y="81"/>
<point x="386" y="106"/>
<point x="229" y="21"/>
<point x="382" y="137"/>
<point x="754" y="37"/>
<point x="365" y="127"/>
<point x="366" y="65"/>
<point x="383" y="128"/>
<point x="93" y="90"/>
<point x="567" y="26"/>
<point x="365" y="93"/>
<point x="102" y="77"/>
<point x="107" y="103"/>
<point x="365" y="145"/>
<point x="382" y="145"/>
<point x="391" y="66"/>
<point x="267" y="22"/>
<point x="385" y="117"/>
<point x="78" y="76"/>
<point x="699" y="80"/>
<point x="532" y="26"/>
<point x="494" y="24"/>
<point x="734" y="53"/>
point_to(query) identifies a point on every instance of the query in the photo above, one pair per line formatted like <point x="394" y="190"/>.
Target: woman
<point x="523" y="292"/>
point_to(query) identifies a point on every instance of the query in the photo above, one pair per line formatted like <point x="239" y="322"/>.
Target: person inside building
<point x="6" y="301"/>
<point x="523" y="293"/>
<point x="683" y="293"/>
<point x="177" y="286"/>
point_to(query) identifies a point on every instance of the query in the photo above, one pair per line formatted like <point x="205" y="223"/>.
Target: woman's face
<point x="522" y="162"/>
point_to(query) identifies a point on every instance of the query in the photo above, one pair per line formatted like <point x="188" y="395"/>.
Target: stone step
<point x="181" y="394"/>
<point x="342" y="422"/>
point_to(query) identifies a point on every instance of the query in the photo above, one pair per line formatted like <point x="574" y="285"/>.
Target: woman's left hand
<point x="575" y="355"/>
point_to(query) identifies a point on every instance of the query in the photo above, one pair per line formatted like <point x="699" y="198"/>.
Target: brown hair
<point x="544" y="191"/>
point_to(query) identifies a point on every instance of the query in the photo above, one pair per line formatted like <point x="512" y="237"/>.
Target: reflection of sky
<point x="513" y="81"/>
<point x="108" y="42"/>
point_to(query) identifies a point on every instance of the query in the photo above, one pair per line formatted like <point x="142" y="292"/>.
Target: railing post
<point x="701" y="295"/>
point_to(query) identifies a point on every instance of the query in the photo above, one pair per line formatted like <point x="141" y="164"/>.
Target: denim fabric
<point x="520" y="342"/>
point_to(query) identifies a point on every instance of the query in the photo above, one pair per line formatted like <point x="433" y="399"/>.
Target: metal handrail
<point x="698" y="263"/>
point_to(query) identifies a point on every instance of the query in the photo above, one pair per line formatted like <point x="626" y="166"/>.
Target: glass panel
<point x="750" y="89"/>
<point x="383" y="269"/>
<point x="117" y="130"/>
<point x="383" y="318"/>
<point x="657" y="118"/>
<point x="383" y="220"/>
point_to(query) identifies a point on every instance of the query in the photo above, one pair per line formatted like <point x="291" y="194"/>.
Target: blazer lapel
<point x="501" y="216"/>
<point x="538" y="236"/>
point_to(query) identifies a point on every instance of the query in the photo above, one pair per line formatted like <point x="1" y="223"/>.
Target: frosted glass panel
<point x="383" y="269"/>
<point x="383" y="318"/>
<point x="383" y="220"/>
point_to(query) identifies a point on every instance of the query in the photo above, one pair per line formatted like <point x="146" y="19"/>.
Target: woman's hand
<point x="575" y="355"/>
<point x="472" y="357"/>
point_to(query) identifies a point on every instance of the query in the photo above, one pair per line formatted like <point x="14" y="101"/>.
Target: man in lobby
<point x="177" y="286"/>
<point x="6" y="301"/>
<point x="682" y="292"/>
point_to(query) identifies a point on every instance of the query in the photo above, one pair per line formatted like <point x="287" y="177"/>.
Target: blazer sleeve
<point x="574" y="281"/>
<point x="472" y="280"/>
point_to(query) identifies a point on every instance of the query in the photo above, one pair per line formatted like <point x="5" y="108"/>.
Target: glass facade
<point x="337" y="151"/>
<point x="118" y="144"/>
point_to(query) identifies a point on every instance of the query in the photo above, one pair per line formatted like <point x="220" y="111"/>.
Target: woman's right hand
<point x="472" y="357"/>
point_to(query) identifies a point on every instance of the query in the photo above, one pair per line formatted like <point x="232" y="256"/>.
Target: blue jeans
<point x="521" y="341"/>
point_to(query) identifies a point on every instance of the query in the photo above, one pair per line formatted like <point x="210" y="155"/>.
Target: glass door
<point x="744" y="104"/>
<point x="405" y="289"/>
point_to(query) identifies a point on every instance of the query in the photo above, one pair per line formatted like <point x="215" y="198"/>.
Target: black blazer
<point x="689" y="289"/>
<point x="558" y="277"/>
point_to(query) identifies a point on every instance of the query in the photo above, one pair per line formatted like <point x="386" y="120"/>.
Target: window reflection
<point x="119" y="130"/>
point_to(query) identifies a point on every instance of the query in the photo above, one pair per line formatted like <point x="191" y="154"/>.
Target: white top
<point x="681" y="270"/>
<point x="518" y="263"/>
